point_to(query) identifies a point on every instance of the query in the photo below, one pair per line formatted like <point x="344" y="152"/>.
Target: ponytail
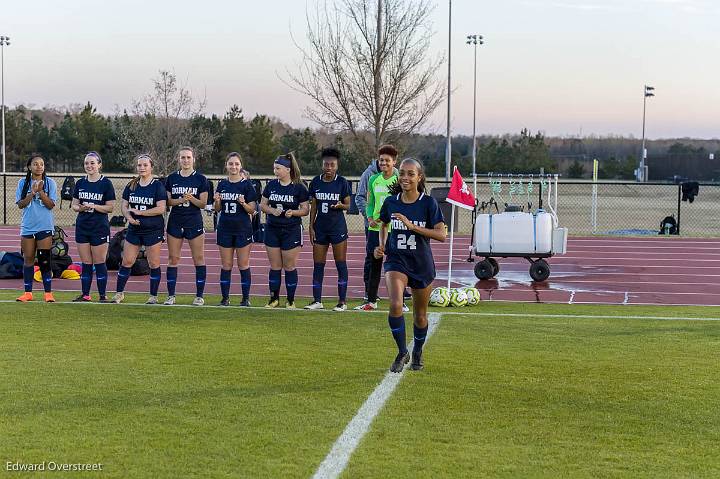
<point x="294" y="168"/>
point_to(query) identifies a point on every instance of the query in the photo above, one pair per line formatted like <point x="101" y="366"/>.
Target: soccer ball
<point x="59" y="248"/>
<point x="473" y="295"/>
<point x="458" y="298"/>
<point x="440" y="297"/>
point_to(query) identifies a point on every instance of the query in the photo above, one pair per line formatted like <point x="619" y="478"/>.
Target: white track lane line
<point x="337" y="459"/>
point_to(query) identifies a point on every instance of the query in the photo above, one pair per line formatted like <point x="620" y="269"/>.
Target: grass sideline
<point x="154" y="391"/>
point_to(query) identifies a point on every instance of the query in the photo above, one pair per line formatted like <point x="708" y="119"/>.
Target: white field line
<point x="337" y="459"/>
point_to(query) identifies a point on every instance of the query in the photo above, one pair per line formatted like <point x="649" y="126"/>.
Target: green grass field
<point x="509" y="390"/>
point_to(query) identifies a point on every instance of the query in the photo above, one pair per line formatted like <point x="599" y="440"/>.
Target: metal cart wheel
<point x="495" y="265"/>
<point x="484" y="269"/>
<point x="539" y="270"/>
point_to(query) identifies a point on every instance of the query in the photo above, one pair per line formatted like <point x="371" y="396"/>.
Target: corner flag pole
<point x="452" y="237"/>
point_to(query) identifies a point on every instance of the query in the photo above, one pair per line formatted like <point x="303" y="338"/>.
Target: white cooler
<point x="515" y="233"/>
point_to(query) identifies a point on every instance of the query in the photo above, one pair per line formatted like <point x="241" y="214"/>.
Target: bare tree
<point x="367" y="67"/>
<point x="161" y="122"/>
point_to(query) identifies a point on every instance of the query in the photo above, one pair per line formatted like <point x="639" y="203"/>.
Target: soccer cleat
<point x="169" y="301"/>
<point x="198" y="301"/>
<point x="118" y="298"/>
<point x="104" y="299"/>
<point x="245" y="303"/>
<point x="152" y="300"/>
<point x="49" y="298"/>
<point x="25" y="297"/>
<point x="366" y="307"/>
<point x="290" y="305"/>
<point x="315" y="305"/>
<point x="417" y="361"/>
<point x="83" y="298"/>
<point x="273" y="303"/>
<point x="340" y="307"/>
<point x="225" y="302"/>
<point x="405" y="308"/>
<point x="400" y="361"/>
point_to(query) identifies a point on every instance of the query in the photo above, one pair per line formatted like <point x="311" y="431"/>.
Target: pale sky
<point x="566" y="67"/>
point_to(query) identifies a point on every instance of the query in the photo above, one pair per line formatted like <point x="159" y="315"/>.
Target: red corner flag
<point x="460" y="194"/>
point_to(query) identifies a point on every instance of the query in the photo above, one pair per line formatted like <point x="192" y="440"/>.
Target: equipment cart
<point x="533" y="235"/>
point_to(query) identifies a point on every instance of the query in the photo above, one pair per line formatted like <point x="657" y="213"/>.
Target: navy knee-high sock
<point x="101" y="278"/>
<point x="86" y="276"/>
<point x="171" y="273"/>
<point x="225" y="280"/>
<point x="200" y="275"/>
<point x="274" y="279"/>
<point x="28" y="273"/>
<point x="397" y="327"/>
<point x="122" y="278"/>
<point x="419" y="335"/>
<point x="318" y="276"/>
<point x="155" y="275"/>
<point x="342" y="270"/>
<point x="291" y="281"/>
<point x="245" y="282"/>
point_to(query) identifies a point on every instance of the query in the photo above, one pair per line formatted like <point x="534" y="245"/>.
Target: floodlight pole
<point x="642" y="176"/>
<point x="474" y="40"/>
<point x="4" y="41"/>
<point x="448" y="147"/>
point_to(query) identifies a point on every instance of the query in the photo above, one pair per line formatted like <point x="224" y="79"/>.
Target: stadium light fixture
<point x="474" y="40"/>
<point x="642" y="171"/>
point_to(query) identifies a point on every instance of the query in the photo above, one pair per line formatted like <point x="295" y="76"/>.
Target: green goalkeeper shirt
<point x="378" y="190"/>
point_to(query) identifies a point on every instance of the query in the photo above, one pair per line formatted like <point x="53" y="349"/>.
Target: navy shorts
<point x="233" y="240"/>
<point x="413" y="281"/>
<point x="325" y="239"/>
<point x="95" y="238"/>
<point x="373" y="241"/>
<point x="184" y="231"/>
<point x="40" y="235"/>
<point x="283" y="237"/>
<point x="145" y="238"/>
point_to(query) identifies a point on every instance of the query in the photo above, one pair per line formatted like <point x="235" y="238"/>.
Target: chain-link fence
<point x="619" y="208"/>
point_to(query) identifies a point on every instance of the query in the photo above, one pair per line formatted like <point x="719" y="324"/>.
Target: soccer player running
<point x="378" y="189"/>
<point x="187" y="195"/>
<point x="329" y="198"/>
<point x="415" y="218"/>
<point x="235" y="199"/>
<point x="93" y="199"/>
<point x="36" y="195"/>
<point x="143" y="205"/>
<point x="284" y="202"/>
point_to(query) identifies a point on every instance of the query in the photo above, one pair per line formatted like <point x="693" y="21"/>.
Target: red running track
<point x="600" y="270"/>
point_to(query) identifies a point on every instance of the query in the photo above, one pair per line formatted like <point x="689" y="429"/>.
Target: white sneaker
<point x="340" y="307"/>
<point x="315" y="305"/>
<point x="366" y="307"/>
<point x="169" y="301"/>
<point x="405" y="308"/>
<point x="152" y="300"/>
<point x="198" y="301"/>
<point x="118" y="298"/>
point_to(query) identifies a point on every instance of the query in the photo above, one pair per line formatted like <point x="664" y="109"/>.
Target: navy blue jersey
<point x="403" y="247"/>
<point x="326" y="194"/>
<point x="233" y="217"/>
<point x="177" y="185"/>
<point x="146" y="198"/>
<point x="98" y="193"/>
<point x="284" y="198"/>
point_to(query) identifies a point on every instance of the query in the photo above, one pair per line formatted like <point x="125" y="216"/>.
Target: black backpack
<point x="668" y="226"/>
<point x="114" y="254"/>
<point x="68" y="187"/>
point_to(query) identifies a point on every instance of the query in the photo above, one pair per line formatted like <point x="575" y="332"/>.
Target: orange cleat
<point x="49" y="298"/>
<point x="25" y="297"/>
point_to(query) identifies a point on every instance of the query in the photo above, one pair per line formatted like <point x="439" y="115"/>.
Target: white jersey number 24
<point x="406" y="241"/>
